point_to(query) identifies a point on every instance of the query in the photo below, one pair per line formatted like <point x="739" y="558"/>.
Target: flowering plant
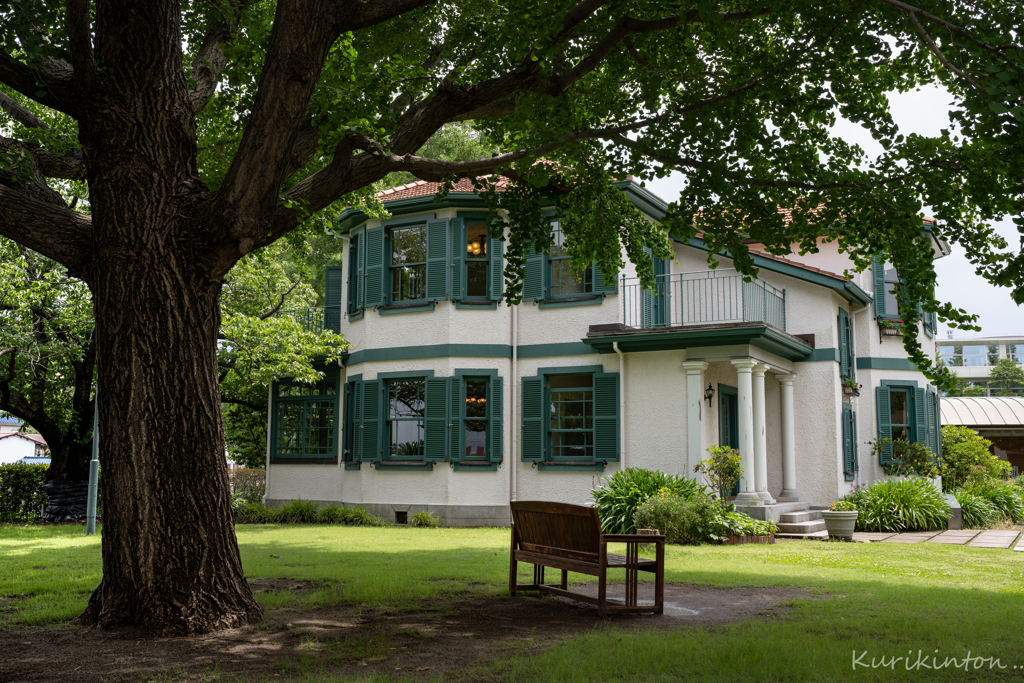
<point x="851" y="383"/>
<point x="842" y="506"/>
<point x="892" y="324"/>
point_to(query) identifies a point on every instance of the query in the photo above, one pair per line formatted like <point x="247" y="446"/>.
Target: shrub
<point x="742" y="524"/>
<point x="977" y="512"/>
<point x="722" y="470"/>
<point x="626" y="490"/>
<point x="683" y="521"/>
<point x="332" y="514"/>
<point x="253" y="513"/>
<point x="911" y="504"/>
<point x="964" y="449"/>
<point x="249" y="484"/>
<point x="1003" y="495"/>
<point x="360" y="517"/>
<point x="298" y="512"/>
<point x="21" y="492"/>
<point x="913" y="459"/>
<point x="422" y="518"/>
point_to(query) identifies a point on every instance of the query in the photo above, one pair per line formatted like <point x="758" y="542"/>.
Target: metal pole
<point x="94" y="468"/>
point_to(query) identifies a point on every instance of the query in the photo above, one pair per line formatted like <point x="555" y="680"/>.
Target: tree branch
<point x="19" y="113"/>
<point x="57" y="232"/>
<point x="938" y="53"/>
<point x="210" y="59"/>
<point x="80" y="42"/>
<point x="280" y="301"/>
<point x="56" y="87"/>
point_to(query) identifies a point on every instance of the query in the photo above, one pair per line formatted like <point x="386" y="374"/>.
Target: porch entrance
<point x="728" y="422"/>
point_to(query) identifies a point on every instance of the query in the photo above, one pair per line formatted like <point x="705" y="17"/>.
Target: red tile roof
<point x="421" y="188"/>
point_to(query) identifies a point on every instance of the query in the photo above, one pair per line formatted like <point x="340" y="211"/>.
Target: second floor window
<point x="477" y="259"/>
<point x="408" y="264"/>
<point x="563" y="282"/>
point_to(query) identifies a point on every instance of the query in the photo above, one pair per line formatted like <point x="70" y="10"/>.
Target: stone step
<point x="814" y="534"/>
<point x="810" y="527"/>
<point x="795" y="517"/>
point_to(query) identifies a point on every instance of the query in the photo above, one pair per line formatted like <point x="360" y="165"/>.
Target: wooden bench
<point x="568" y="537"/>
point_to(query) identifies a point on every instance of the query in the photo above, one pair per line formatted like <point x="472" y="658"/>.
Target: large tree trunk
<point x="170" y="559"/>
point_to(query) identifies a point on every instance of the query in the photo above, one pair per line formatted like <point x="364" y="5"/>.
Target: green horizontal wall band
<point x="818" y="355"/>
<point x="467" y="351"/>
<point x="555" y="303"/>
<point x="886" y="364"/>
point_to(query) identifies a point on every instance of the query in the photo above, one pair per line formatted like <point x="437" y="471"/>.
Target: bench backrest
<point x="557" y="528"/>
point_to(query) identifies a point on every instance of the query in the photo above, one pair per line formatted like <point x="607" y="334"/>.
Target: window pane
<point x="993" y="354"/>
<point x="563" y="381"/>
<point x="409" y="245"/>
<point x="476" y="242"/>
<point x="898" y="408"/>
<point x="406" y="398"/>
<point x="320" y="428"/>
<point x="476" y="398"/>
<point x="572" y="445"/>
<point x="564" y="282"/>
<point x="407" y="439"/>
<point x="476" y="438"/>
<point x="892" y="279"/>
<point x="476" y="279"/>
<point x="899" y="433"/>
<point x="289" y="428"/>
<point x="408" y="283"/>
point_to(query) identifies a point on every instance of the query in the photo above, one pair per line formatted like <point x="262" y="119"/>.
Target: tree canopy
<point x="206" y="131"/>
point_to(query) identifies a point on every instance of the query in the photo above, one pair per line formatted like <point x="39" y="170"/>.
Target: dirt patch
<point x="460" y="633"/>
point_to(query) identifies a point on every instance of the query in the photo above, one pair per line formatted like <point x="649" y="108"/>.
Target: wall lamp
<point x="709" y="394"/>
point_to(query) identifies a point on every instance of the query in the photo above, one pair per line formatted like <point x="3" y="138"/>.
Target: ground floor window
<point x="571" y="417"/>
<point x="906" y="412"/>
<point x="422" y="420"/>
<point x="304" y="420"/>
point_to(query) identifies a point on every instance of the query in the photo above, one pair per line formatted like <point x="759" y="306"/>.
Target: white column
<point x="789" y="490"/>
<point x="760" y="437"/>
<point x="745" y="418"/>
<point x="694" y="413"/>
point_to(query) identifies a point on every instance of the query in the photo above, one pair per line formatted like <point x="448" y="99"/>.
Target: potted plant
<point x="851" y="387"/>
<point x="890" y="327"/>
<point x="840" y="519"/>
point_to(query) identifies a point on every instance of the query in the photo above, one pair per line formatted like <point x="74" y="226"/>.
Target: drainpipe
<point x="622" y="405"/>
<point x="270" y="422"/>
<point x="514" y="381"/>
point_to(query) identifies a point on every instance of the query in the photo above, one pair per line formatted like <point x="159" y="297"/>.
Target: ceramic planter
<point x="840" y="524"/>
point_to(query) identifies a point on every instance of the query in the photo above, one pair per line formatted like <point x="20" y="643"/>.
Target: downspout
<point x="514" y="382"/>
<point x="270" y="423"/>
<point x="622" y="405"/>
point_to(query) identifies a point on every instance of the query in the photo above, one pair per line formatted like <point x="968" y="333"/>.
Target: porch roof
<point x="757" y="334"/>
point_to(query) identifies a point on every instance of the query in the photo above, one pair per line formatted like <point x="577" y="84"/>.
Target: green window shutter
<point x="497" y="268"/>
<point x="921" y="411"/>
<point x="878" y="268"/>
<point x="349" y="421"/>
<point x="332" y="298"/>
<point x="458" y="242"/>
<point x="435" y="422"/>
<point x="374" y="271"/>
<point x="848" y="445"/>
<point x="854" y="458"/>
<point x="533" y="277"/>
<point x="606" y="417"/>
<point x="937" y="422"/>
<point x="602" y="286"/>
<point x="646" y="302"/>
<point x="844" y="350"/>
<point x="456" y="426"/>
<point x="370" y="449"/>
<point x="533" y="419"/>
<point x="355" y="271"/>
<point x="884" y="425"/>
<point x="437" y="260"/>
<point x="495" y="437"/>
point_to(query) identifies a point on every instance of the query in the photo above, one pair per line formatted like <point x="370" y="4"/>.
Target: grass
<point x="886" y="599"/>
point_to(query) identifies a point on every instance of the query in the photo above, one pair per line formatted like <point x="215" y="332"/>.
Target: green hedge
<point x="21" y="492"/>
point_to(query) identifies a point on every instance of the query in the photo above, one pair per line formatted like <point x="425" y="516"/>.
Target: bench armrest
<point x="633" y="538"/>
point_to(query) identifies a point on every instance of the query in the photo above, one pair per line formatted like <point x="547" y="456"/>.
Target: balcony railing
<point x="315" y="319"/>
<point x="702" y="298"/>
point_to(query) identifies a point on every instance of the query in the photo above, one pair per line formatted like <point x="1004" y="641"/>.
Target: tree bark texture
<point x="170" y="559"/>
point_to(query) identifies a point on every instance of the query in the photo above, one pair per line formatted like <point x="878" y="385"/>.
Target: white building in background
<point x="9" y="424"/>
<point x="15" y="447"/>
<point x="454" y="402"/>
<point x="972" y="359"/>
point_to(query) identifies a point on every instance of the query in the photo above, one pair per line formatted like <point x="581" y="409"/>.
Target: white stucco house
<point x="16" y="447"/>
<point x="454" y="402"/>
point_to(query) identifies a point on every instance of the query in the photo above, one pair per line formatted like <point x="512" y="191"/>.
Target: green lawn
<point x="886" y="599"/>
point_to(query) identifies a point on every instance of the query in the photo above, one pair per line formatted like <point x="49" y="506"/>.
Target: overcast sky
<point x="925" y="112"/>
